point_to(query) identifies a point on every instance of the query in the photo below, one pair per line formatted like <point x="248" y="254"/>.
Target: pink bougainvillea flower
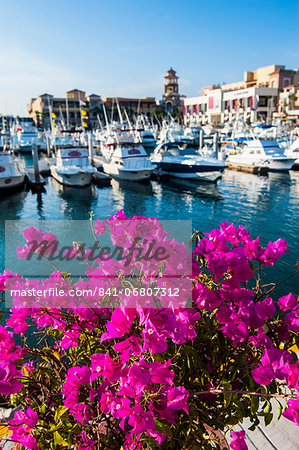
<point x="292" y="411"/>
<point x="9" y="384"/>
<point x="177" y="398"/>
<point x="287" y="302"/>
<point x="238" y="440"/>
<point x="140" y="420"/>
<point x="100" y="227"/>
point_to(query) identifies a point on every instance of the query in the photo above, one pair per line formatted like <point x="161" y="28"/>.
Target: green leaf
<point x="268" y="408"/>
<point x="58" y="439"/>
<point x="163" y="428"/>
<point x="280" y="409"/>
<point x="268" y="418"/>
<point x="255" y="401"/>
<point x="254" y="425"/>
<point x="59" y="412"/>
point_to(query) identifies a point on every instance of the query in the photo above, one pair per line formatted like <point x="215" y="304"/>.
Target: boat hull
<point x="79" y="179"/>
<point x="11" y="182"/>
<point x="281" y="165"/>
<point x="126" y="174"/>
<point x="191" y="172"/>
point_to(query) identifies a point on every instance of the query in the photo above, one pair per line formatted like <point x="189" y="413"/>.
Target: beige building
<point x="145" y="105"/>
<point x="68" y="109"/>
<point x="273" y="76"/>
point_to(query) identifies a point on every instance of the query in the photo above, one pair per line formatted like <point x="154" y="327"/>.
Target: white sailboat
<point x="72" y="167"/>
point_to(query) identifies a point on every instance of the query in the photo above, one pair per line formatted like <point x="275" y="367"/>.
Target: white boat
<point x="12" y="171"/>
<point x="293" y="152"/>
<point x="260" y="155"/>
<point x="185" y="162"/>
<point x="72" y="167"/>
<point x="26" y="136"/>
<point x="125" y="159"/>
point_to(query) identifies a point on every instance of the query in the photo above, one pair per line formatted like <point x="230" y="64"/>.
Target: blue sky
<point x="124" y="47"/>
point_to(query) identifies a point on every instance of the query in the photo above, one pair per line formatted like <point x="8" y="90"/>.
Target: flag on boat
<point x="84" y="124"/>
<point x="84" y="113"/>
<point x="82" y="103"/>
<point x="53" y="115"/>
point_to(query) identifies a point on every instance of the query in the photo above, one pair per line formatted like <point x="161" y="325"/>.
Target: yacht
<point x="12" y="170"/>
<point x="181" y="161"/>
<point x="259" y="155"/>
<point x="72" y="167"/>
<point x="126" y="159"/>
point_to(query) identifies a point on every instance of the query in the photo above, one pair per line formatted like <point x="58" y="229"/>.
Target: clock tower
<point x="171" y="96"/>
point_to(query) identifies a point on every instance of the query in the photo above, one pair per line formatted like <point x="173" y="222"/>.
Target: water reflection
<point x="11" y="204"/>
<point x="75" y="202"/>
<point x="132" y="195"/>
<point x="207" y="191"/>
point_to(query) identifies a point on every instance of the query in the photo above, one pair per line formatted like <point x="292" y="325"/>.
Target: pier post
<point x="201" y="139"/>
<point x="35" y="162"/>
<point x="90" y="148"/>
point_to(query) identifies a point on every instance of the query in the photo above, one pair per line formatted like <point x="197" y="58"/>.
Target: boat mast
<point x="67" y="113"/>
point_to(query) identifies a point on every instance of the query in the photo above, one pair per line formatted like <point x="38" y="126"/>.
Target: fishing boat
<point x="12" y="170"/>
<point x="184" y="162"/>
<point x="126" y="159"/>
<point x="72" y="167"/>
<point x="260" y="156"/>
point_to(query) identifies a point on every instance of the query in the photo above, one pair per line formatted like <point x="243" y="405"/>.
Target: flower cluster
<point x="132" y="375"/>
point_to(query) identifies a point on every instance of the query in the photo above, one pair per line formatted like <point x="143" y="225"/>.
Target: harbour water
<point x="267" y="206"/>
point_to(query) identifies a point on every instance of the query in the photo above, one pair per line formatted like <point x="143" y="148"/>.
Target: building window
<point x="263" y="101"/>
<point x="286" y="82"/>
